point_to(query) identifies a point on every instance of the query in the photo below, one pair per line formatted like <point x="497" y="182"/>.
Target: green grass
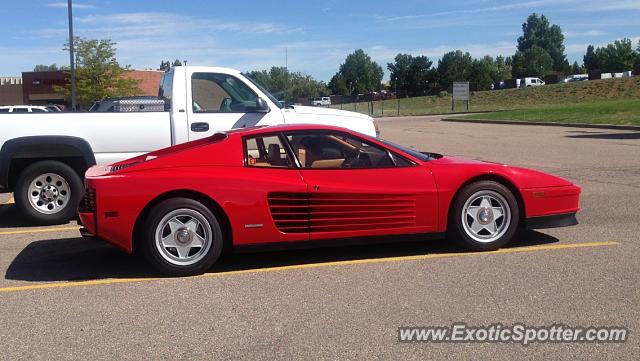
<point x="621" y="112"/>
<point x="608" y="96"/>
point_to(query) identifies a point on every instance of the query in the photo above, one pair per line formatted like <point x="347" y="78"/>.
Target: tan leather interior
<point x="328" y="163"/>
<point x="302" y="156"/>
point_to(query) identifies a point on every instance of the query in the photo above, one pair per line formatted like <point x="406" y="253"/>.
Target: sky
<point x="316" y="36"/>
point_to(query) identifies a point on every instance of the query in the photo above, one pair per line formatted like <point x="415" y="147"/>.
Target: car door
<point x="221" y="102"/>
<point x="357" y="188"/>
<point x="274" y="196"/>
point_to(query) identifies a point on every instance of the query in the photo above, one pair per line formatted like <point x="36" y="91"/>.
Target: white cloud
<point x="65" y="4"/>
<point x="585" y="33"/>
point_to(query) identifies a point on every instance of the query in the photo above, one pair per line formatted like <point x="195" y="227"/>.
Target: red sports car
<point x="309" y="184"/>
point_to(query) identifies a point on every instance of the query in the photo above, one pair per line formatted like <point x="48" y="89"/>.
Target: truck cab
<point x="43" y="157"/>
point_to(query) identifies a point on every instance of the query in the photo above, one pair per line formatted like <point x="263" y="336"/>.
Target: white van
<point x="318" y="101"/>
<point x="531" y="81"/>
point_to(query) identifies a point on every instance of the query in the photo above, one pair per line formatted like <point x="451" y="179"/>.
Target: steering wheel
<point x="354" y="158"/>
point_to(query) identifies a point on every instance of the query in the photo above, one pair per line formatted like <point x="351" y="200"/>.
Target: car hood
<point x="302" y="109"/>
<point x="523" y="177"/>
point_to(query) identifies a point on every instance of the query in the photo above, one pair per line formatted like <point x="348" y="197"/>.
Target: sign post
<point x="460" y="92"/>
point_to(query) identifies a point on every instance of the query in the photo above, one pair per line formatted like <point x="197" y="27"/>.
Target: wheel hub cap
<point x="485" y="216"/>
<point x="184" y="236"/>
<point x="49" y="193"/>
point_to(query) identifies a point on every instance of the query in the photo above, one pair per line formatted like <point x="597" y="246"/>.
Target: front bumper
<point x="552" y="221"/>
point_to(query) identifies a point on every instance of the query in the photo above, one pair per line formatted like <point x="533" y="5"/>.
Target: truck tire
<point x="48" y="192"/>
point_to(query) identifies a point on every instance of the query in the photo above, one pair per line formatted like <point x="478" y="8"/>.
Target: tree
<point x="289" y="86"/>
<point x="590" y="60"/>
<point x="617" y="56"/>
<point x="411" y="74"/>
<point x="532" y="62"/>
<point x="98" y="74"/>
<point x="503" y="68"/>
<point x="338" y="85"/>
<point x="577" y="69"/>
<point x="454" y="66"/>
<point x="166" y="65"/>
<point x="484" y="73"/>
<point x="43" y="67"/>
<point x="360" y="74"/>
<point x="538" y="32"/>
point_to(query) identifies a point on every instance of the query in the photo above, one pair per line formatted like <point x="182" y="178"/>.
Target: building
<point x="11" y="90"/>
<point x="37" y="87"/>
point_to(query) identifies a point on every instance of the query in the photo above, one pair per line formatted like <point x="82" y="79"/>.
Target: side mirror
<point x="262" y="106"/>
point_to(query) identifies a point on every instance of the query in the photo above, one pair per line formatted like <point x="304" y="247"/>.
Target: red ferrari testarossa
<point x="309" y="184"/>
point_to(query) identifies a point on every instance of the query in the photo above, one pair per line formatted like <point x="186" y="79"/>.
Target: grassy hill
<point x="613" y="100"/>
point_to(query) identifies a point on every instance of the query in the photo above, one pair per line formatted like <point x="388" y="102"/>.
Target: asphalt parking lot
<point x="64" y="297"/>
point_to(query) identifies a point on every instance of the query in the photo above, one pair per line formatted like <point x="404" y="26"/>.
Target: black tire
<point x="73" y="191"/>
<point x="465" y="237"/>
<point x="152" y="252"/>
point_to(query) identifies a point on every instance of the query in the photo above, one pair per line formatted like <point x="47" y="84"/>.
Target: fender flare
<point x="43" y="146"/>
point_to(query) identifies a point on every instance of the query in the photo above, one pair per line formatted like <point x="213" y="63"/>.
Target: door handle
<point x="199" y="127"/>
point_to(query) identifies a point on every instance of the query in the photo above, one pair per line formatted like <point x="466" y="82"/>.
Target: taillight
<point x="88" y="201"/>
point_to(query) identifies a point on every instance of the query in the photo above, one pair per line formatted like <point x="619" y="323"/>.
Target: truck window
<point x="166" y="86"/>
<point x="221" y="93"/>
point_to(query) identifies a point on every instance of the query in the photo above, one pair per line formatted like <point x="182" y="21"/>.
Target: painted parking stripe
<point x="10" y="201"/>
<point x="316" y="265"/>
<point x="41" y="230"/>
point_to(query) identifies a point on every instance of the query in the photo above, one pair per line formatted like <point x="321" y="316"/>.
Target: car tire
<point x="484" y="216"/>
<point x="48" y="192"/>
<point x="181" y="237"/>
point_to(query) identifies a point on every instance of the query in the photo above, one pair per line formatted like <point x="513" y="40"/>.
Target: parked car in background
<point x="43" y="158"/>
<point x="54" y="108"/>
<point x="531" y="81"/>
<point x="292" y="184"/>
<point x="23" y="109"/>
<point x="576" y="77"/>
<point x="321" y="101"/>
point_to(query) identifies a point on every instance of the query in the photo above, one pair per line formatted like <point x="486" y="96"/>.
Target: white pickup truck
<point x="43" y="157"/>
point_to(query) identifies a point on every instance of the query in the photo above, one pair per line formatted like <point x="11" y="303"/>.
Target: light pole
<point x="71" y="58"/>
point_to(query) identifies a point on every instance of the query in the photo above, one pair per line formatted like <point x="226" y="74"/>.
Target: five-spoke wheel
<point x="484" y="216"/>
<point x="181" y="237"/>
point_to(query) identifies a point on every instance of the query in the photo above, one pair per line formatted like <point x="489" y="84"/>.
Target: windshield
<point x="271" y="97"/>
<point x="423" y="156"/>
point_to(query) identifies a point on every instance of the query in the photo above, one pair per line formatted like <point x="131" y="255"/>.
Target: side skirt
<point x="338" y="242"/>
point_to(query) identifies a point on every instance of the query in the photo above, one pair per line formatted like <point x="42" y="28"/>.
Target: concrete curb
<point x="550" y="124"/>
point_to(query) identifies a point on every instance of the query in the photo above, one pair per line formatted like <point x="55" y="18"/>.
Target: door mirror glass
<point x="261" y="106"/>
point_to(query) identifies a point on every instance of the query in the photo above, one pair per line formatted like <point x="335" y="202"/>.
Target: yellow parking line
<point x="10" y="201"/>
<point x="316" y="265"/>
<point x="41" y="230"/>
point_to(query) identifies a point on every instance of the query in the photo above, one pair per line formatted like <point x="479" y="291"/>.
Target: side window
<point x="266" y="151"/>
<point x="20" y="110"/>
<point x="221" y="93"/>
<point x="166" y="87"/>
<point x="337" y="150"/>
<point x="37" y="110"/>
<point x="4" y="110"/>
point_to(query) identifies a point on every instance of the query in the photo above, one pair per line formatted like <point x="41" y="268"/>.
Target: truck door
<point x="221" y="102"/>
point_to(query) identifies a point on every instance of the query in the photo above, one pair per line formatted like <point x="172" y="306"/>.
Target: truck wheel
<point x="484" y="216"/>
<point x="48" y="192"/>
<point x="181" y="237"/>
